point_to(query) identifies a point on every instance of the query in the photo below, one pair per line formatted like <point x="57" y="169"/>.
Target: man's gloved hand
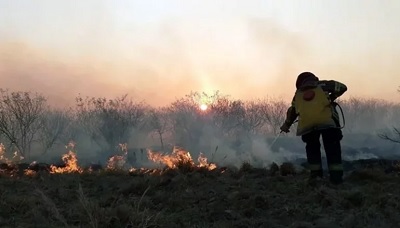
<point x="285" y="127"/>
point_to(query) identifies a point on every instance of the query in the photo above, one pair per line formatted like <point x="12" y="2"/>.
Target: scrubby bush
<point x="26" y="122"/>
<point x="394" y="136"/>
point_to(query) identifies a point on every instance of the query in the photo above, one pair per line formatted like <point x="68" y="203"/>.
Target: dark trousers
<point x="331" y="139"/>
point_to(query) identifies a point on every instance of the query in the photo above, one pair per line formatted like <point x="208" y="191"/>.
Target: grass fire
<point x="179" y="159"/>
<point x="131" y="165"/>
<point x="199" y="114"/>
<point x="119" y="195"/>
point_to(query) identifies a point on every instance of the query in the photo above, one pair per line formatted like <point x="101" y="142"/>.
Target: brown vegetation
<point x="222" y="197"/>
<point x="28" y="125"/>
<point x="186" y="193"/>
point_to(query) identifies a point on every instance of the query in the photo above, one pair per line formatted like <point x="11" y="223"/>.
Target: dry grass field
<point x="187" y="195"/>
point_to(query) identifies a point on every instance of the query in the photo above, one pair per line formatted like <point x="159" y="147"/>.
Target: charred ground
<point x="188" y="196"/>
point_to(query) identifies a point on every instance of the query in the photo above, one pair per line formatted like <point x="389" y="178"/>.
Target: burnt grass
<point x="279" y="196"/>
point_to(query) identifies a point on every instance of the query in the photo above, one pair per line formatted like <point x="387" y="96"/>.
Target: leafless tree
<point x="353" y="107"/>
<point x="188" y="121"/>
<point x="238" y="120"/>
<point x="74" y="128"/>
<point x="252" y="117"/>
<point x="184" y="119"/>
<point x="275" y="112"/>
<point x="356" y="108"/>
<point x="55" y="123"/>
<point x="359" y="111"/>
<point x="159" y="121"/>
<point x="395" y="136"/>
<point x="109" y="122"/>
<point x="20" y="118"/>
<point x="225" y="115"/>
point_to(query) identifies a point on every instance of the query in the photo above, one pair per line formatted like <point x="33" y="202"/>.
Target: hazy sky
<point x="159" y="50"/>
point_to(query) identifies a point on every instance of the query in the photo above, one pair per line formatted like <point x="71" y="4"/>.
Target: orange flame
<point x="203" y="162"/>
<point x="179" y="156"/>
<point x="29" y="172"/>
<point x="15" y="159"/>
<point x="71" y="162"/>
<point x="117" y="162"/>
<point x="2" y="153"/>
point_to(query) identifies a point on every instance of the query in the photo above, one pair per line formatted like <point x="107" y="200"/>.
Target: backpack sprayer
<point x="334" y="105"/>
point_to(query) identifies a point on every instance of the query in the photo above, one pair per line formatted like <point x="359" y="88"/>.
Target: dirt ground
<point x="224" y="197"/>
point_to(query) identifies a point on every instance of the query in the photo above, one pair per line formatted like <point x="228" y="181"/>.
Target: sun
<point x="203" y="107"/>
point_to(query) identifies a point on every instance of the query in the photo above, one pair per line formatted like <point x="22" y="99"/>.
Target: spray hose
<point x="341" y="110"/>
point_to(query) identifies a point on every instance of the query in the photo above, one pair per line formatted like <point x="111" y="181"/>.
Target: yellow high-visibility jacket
<point x="312" y="104"/>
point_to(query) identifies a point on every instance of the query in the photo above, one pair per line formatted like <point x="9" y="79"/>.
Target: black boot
<point x="336" y="177"/>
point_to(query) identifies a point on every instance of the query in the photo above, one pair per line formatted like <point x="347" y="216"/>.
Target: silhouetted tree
<point x="26" y="120"/>
<point x="184" y="118"/>
<point x="160" y="122"/>
<point x="110" y="122"/>
<point x="20" y="119"/>
<point x="253" y="117"/>
<point x="55" y="123"/>
<point x="275" y="113"/>
<point x="395" y="135"/>
<point x="222" y="118"/>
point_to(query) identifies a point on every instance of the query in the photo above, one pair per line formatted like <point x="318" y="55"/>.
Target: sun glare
<point x="203" y="107"/>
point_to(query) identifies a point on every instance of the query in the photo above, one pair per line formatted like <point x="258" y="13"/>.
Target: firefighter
<point x="313" y="104"/>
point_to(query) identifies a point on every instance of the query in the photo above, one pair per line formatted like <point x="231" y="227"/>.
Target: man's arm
<point x="291" y="114"/>
<point x="335" y="88"/>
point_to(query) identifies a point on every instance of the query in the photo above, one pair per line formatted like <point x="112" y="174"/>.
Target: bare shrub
<point x="226" y="116"/>
<point x="160" y="122"/>
<point x="25" y="120"/>
<point x="254" y="117"/>
<point x="187" y="120"/>
<point x="275" y="113"/>
<point x="20" y="118"/>
<point x="394" y="136"/>
<point x="109" y="122"/>
<point x="55" y="124"/>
